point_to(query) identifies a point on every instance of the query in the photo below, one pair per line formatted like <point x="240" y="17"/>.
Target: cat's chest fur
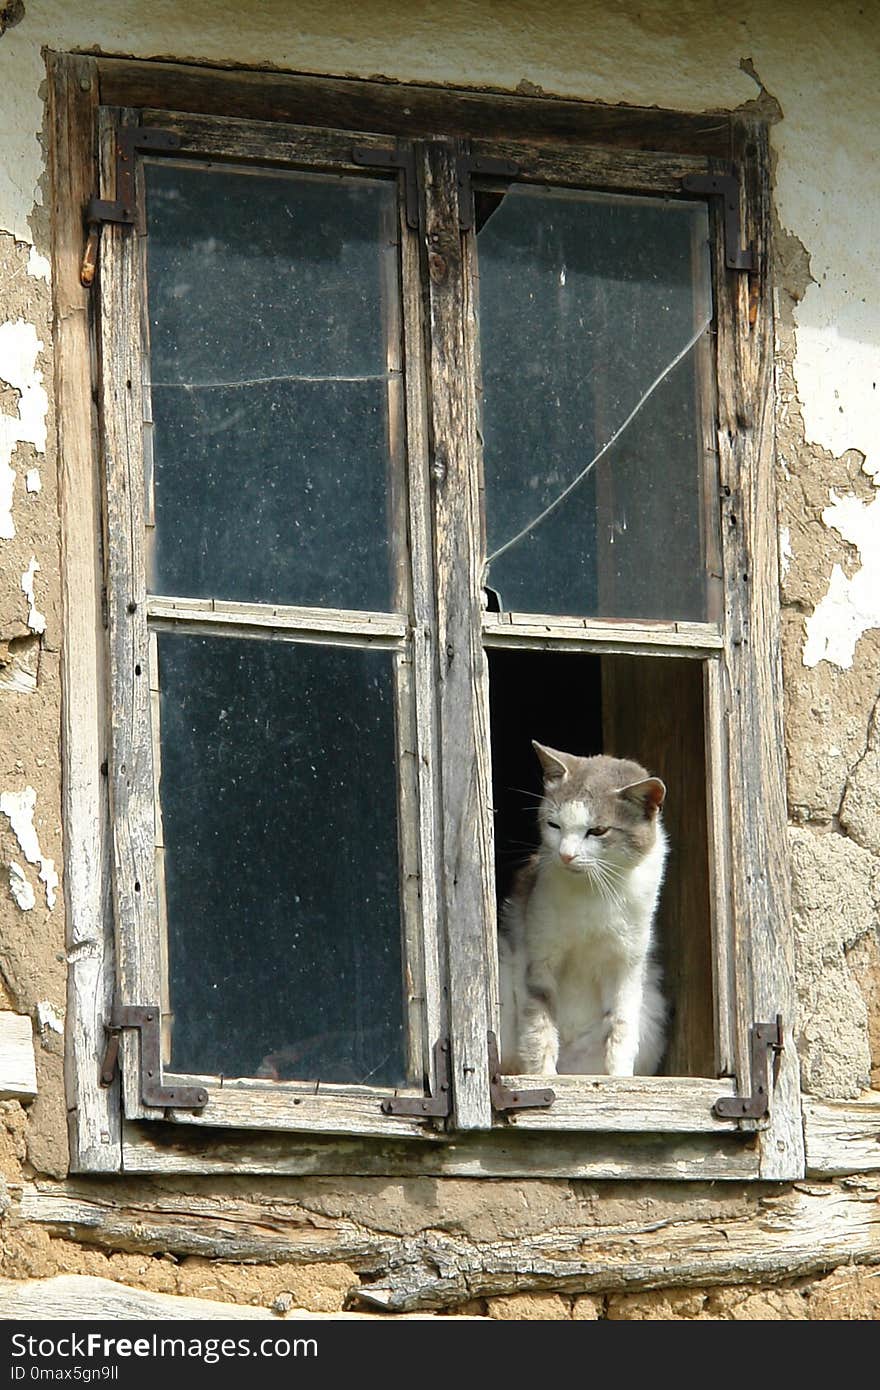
<point x="587" y="941"/>
<point x="565" y="915"/>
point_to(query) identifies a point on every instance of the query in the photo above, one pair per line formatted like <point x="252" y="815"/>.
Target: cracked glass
<point x="273" y="322"/>
<point x="593" y="319"/>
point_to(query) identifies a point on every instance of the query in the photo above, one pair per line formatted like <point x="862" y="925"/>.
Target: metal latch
<point x="726" y="187"/>
<point x="484" y="168"/>
<point x="502" y="1097"/>
<point x="437" y="1104"/>
<point x="130" y="140"/>
<point x="146" y="1020"/>
<point x="403" y="160"/>
<point x="764" y="1039"/>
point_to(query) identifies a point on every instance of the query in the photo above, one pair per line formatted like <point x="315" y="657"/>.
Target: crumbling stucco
<point x="852" y="604"/>
<point x="844" y="1295"/>
<point x="23" y="413"/>
<point x="835" y="886"/>
<point x="20" y="888"/>
<point x="19" y="807"/>
<point x="11" y="12"/>
<point x="860" y="805"/>
<point x="831" y="676"/>
<point x="31" y="923"/>
<point x="646" y="52"/>
<point x="863" y="959"/>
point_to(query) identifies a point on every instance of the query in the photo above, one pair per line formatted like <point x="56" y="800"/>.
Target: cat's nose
<point x="565" y="857"/>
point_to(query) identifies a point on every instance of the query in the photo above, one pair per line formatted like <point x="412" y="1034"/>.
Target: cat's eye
<point x="554" y="825"/>
<point x="599" y="830"/>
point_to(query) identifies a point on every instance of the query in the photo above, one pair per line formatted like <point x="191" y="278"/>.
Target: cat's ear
<point x="649" y="794"/>
<point x="554" y="764"/>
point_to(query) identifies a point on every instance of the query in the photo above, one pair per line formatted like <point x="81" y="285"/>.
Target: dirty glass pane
<point x="270" y="298"/>
<point x="279" y="822"/>
<point x="585" y="303"/>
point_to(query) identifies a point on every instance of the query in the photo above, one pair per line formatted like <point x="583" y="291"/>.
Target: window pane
<point x="272" y="306"/>
<point x="591" y="309"/>
<point x="278" y="797"/>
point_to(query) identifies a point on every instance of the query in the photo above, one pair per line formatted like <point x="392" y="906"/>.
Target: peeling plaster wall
<point x="815" y="70"/>
<point x="689" y="55"/>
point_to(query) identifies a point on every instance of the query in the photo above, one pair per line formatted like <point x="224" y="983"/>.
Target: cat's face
<point x="598" y="816"/>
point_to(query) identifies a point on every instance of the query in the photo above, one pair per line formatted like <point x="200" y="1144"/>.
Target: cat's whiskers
<point x="526" y="791"/>
<point x="606" y="881"/>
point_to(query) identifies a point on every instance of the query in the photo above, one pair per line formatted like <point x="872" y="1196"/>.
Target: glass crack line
<point x="542" y="516"/>
<point x="268" y="381"/>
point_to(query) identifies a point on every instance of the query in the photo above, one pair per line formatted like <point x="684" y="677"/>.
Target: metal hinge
<point x="130" y="141"/>
<point x="485" y="168"/>
<point x="438" y="1103"/>
<point x="146" y="1020"/>
<point x="764" y="1039"/>
<point x="725" y="186"/>
<point x="403" y="160"/>
<point x="502" y="1097"/>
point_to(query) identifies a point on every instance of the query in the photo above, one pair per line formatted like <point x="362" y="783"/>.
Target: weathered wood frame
<point x="743" y="735"/>
<point x="135" y="616"/>
<point x="750" y="924"/>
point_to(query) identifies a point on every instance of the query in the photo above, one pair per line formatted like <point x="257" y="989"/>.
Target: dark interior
<point x="646" y="708"/>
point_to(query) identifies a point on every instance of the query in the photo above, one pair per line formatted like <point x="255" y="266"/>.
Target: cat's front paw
<point x="620" y="1050"/>
<point x="622" y="1068"/>
<point x="620" y="1061"/>
<point x="541" y="1065"/>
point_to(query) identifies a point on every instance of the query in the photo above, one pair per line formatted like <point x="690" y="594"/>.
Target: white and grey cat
<point x="580" y="991"/>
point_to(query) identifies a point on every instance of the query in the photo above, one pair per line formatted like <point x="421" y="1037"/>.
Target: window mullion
<point x="420" y="752"/>
<point x="468" y="893"/>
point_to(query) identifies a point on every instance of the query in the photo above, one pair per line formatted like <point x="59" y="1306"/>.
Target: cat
<point x="580" y="991"/>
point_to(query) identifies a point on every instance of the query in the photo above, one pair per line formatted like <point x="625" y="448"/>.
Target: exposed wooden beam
<point x="397" y="108"/>
<point x="766" y="1234"/>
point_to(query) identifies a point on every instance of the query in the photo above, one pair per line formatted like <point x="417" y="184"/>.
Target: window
<point x="415" y="448"/>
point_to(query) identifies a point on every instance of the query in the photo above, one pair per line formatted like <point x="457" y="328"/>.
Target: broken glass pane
<point x="279" y="820"/>
<point x="592" y="311"/>
<point x="272" y="305"/>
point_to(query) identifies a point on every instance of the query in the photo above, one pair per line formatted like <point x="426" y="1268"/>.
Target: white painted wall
<point x="820" y="61"/>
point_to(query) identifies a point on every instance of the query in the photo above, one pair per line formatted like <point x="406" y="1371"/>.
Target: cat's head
<point x="597" y="815"/>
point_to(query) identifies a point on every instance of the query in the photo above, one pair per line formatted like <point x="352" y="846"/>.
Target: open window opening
<point x="648" y="709"/>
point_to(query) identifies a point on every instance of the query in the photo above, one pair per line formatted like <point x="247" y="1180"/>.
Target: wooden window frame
<point x="135" y="617"/>
<point x="640" y="1127"/>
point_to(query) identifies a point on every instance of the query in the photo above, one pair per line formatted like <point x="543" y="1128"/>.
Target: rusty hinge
<point x="485" y="168"/>
<point x="502" y="1097"/>
<point x="404" y="161"/>
<point x="725" y="186"/>
<point x="764" y="1039"/>
<point x="130" y="140"/>
<point x="439" y="1103"/>
<point x="153" y="1092"/>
